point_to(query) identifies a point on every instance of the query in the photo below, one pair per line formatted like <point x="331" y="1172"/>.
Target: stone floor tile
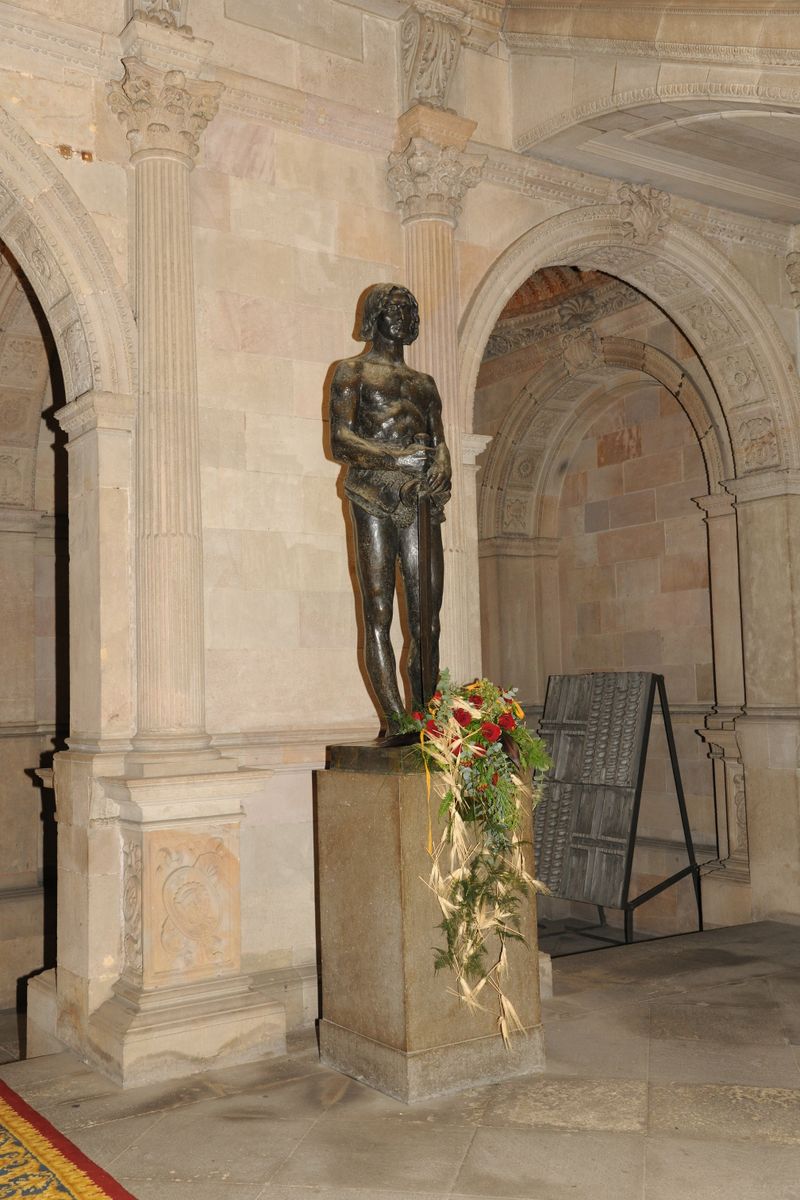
<point x="357" y="1101"/>
<point x="599" y="1104"/>
<point x="578" y="1048"/>
<point x="24" y="1076"/>
<point x="8" y="1054"/>
<point x="730" y="1023"/>
<point x="375" y="1153"/>
<point x="726" y="1111"/>
<point x="228" y="1139"/>
<point x="104" y="1143"/>
<point x="277" y="1191"/>
<point x="94" y="1100"/>
<point x="552" y="1165"/>
<point x="680" y="1061"/>
<point x="196" y="1189"/>
<point x="677" y="1169"/>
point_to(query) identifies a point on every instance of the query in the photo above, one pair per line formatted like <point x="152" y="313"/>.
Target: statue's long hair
<point x="375" y="301"/>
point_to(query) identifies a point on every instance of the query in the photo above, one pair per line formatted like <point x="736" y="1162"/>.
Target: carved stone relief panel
<point x="710" y="324"/>
<point x="581" y="350"/>
<point x="191" y="904"/>
<point x="757" y="442"/>
<point x="23" y="362"/>
<point x="515" y="514"/>
<point x="660" y="279"/>
<point x="19" y="416"/>
<point x="12" y="478"/>
<point x="36" y="260"/>
<point x="742" y="376"/>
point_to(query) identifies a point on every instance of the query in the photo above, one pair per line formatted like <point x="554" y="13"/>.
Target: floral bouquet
<point x="486" y="763"/>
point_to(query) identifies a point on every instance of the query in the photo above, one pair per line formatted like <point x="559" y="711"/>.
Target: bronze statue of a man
<point x="386" y="426"/>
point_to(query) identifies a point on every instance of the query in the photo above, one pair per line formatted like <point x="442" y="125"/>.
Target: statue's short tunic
<point x="379" y="492"/>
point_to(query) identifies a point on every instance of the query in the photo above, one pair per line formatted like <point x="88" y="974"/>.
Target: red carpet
<point x="38" y="1161"/>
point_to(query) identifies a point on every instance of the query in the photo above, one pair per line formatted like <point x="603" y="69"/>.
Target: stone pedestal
<point x="387" y="1017"/>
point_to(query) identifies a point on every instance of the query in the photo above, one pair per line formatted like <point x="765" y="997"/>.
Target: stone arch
<point x="554" y="407"/>
<point x="717" y="310"/>
<point x="735" y="93"/>
<point x="57" y="245"/>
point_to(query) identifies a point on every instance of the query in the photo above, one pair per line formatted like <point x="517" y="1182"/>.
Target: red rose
<point x="477" y="701"/>
<point x="433" y="728"/>
<point x="478" y="751"/>
<point x="416" y="716"/>
<point x="491" y="731"/>
<point x="506" y="721"/>
<point x="462" y="716"/>
<point x="436" y="696"/>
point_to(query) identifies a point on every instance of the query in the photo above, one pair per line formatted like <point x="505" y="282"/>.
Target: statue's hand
<point x="416" y="459"/>
<point x="438" y="480"/>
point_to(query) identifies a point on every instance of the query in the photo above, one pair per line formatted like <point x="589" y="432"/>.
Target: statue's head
<point x="394" y="307"/>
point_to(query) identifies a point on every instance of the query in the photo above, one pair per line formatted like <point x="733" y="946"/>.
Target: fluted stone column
<point x="430" y="177"/>
<point x="174" y="998"/>
<point x="165" y="114"/>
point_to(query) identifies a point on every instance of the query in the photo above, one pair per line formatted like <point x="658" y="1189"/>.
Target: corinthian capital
<point x="430" y="43"/>
<point x="430" y="180"/>
<point x="163" y="110"/>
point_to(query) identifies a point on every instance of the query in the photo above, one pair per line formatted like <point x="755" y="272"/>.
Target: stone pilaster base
<point x="138" y="1038"/>
<point x="388" y="1018"/>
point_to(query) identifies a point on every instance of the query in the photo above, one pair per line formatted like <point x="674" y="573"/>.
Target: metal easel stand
<point x="630" y="905"/>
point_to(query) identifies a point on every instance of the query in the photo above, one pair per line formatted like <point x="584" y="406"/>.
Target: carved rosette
<point x="430" y="43"/>
<point x="431" y="181"/>
<point x="163" y="111"/>
<point x="644" y="212"/>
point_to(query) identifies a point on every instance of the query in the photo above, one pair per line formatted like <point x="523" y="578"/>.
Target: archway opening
<point x="594" y="552"/>
<point x="34" y="666"/>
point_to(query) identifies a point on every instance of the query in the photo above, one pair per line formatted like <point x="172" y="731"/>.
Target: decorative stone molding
<point x="645" y="212"/>
<point x="688" y="52"/>
<point x="97" y="410"/>
<point x="515" y="333"/>
<point x="760" y="94"/>
<point x="764" y="485"/>
<point x="473" y="444"/>
<point x="430" y="44"/>
<point x="162" y="111"/>
<point x="431" y="181"/>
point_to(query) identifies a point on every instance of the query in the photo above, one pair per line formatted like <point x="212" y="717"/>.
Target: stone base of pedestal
<point x="424" y="1073"/>
<point x="388" y="1018"/>
<point x="137" y="1038"/>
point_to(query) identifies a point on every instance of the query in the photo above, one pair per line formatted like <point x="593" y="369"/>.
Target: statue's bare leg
<point x="410" y="567"/>
<point x="377" y="543"/>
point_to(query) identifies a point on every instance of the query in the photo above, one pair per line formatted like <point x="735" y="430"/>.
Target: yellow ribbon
<point x="428" y="786"/>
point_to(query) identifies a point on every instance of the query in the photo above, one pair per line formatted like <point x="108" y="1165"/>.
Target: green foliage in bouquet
<point x="485" y="765"/>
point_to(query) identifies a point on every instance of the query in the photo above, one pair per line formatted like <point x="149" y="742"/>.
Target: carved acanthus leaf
<point x="645" y="212"/>
<point x="163" y="110"/>
<point x="430" y="43"/>
<point x="429" y="180"/>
